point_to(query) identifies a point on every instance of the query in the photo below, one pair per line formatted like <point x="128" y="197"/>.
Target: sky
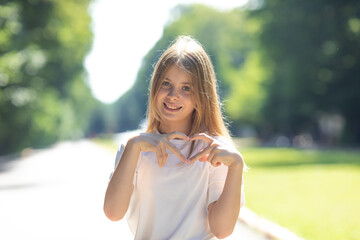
<point x="124" y="31"/>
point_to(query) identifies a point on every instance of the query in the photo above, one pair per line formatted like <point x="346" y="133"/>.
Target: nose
<point x="173" y="93"/>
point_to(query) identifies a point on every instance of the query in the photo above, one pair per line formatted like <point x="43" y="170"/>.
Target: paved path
<point x="58" y="193"/>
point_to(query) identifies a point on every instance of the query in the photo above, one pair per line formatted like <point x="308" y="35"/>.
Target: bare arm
<point x="223" y="213"/>
<point x="120" y="187"/>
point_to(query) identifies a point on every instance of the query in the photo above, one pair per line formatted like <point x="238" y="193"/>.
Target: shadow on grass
<point x="290" y="157"/>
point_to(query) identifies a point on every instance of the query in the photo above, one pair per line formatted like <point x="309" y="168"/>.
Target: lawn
<point x="312" y="193"/>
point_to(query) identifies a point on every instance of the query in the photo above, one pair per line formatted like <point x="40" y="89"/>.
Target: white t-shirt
<point x="171" y="202"/>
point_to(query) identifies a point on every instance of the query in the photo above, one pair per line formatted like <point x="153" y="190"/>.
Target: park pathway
<point x="57" y="193"/>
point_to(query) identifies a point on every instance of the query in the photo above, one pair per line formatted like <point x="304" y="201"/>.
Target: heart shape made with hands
<point x="202" y="155"/>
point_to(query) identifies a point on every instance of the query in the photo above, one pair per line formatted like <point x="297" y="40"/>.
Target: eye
<point x="186" y="88"/>
<point x="166" y="84"/>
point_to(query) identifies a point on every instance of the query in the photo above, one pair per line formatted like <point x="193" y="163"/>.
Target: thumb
<point x="203" y="159"/>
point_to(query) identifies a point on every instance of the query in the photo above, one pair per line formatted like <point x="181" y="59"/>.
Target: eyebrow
<point x="188" y="82"/>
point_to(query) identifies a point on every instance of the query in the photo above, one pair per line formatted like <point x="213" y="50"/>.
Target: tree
<point x="313" y="51"/>
<point x="43" y="95"/>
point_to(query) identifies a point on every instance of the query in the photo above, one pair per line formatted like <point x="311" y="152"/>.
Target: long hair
<point x="188" y="54"/>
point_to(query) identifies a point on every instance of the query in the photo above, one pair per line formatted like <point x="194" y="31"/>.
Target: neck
<point x="175" y="127"/>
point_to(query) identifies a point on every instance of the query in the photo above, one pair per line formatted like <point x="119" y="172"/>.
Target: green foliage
<point x="313" y="48"/>
<point x="248" y="94"/>
<point x="309" y="192"/>
<point x="43" y="96"/>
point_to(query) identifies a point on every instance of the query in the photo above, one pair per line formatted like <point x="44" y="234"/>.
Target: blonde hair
<point x="188" y="54"/>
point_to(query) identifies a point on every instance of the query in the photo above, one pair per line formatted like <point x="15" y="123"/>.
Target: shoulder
<point x="124" y="137"/>
<point x="224" y="140"/>
<point x="227" y="143"/>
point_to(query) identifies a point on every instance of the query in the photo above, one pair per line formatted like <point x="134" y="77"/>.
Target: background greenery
<point x="43" y="95"/>
<point x="288" y="72"/>
<point x="288" y="75"/>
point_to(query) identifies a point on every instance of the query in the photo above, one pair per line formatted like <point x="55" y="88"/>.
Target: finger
<point x="203" y="159"/>
<point x="215" y="163"/>
<point x="179" y="135"/>
<point x="176" y="151"/>
<point x="202" y="136"/>
<point x="212" y="159"/>
<point x="161" y="154"/>
<point x="153" y="145"/>
<point x="158" y="156"/>
<point x="203" y="153"/>
<point x="164" y="154"/>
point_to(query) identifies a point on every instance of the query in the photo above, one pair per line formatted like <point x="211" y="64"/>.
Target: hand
<point x="158" y="143"/>
<point x="216" y="152"/>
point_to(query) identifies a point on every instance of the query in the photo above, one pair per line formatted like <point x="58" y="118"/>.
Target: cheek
<point x="186" y="96"/>
<point x="189" y="100"/>
<point x="160" y="95"/>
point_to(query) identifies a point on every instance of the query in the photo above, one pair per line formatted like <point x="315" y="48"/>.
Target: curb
<point x="270" y="229"/>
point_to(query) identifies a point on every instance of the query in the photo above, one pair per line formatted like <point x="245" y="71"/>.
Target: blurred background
<point x="289" y="79"/>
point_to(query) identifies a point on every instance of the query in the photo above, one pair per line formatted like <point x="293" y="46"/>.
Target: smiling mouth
<point x="173" y="108"/>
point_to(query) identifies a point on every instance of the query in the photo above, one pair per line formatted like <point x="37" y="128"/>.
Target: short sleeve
<point x="117" y="158"/>
<point x="216" y="182"/>
<point x="242" y="202"/>
<point x="218" y="177"/>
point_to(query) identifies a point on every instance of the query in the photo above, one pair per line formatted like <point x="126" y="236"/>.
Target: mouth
<point x="171" y="107"/>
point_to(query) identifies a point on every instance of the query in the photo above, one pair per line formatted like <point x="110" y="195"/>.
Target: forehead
<point x="177" y="74"/>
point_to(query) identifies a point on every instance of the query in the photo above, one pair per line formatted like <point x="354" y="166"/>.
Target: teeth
<point x="172" y="107"/>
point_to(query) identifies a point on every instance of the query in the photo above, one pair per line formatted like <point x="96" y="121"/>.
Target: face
<point x="174" y="100"/>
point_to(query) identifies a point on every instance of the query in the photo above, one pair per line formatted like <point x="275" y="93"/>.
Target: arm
<point x="120" y="187"/>
<point x="223" y="213"/>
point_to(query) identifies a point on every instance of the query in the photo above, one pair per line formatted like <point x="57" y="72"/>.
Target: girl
<point x="182" y="178"/>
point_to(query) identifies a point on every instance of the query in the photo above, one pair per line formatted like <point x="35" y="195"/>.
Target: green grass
<point x="315" y="194"/>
